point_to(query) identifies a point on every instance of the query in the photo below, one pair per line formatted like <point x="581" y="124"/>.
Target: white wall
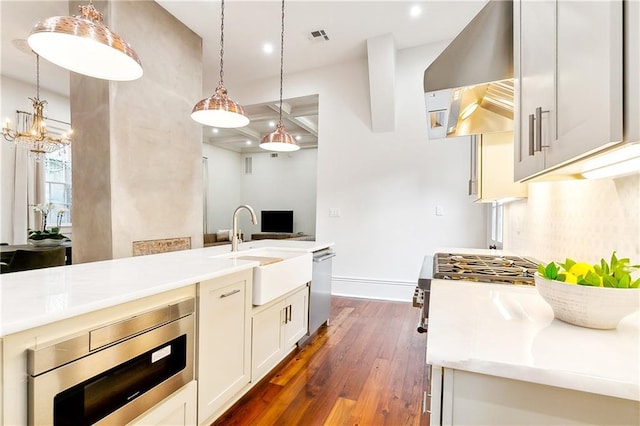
<point x="224" y="186"/>
<point x="15" y="96"/>
<point x="386" y="185"/>
<point x="286" y="182"/>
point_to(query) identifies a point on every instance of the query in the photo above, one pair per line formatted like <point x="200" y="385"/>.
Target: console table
<point x="7" y="251"/>
<point x="276" y="236"/>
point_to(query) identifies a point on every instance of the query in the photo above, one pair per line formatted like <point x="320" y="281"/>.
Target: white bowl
<point x="587" y="306"/>
<point x="47" y="242"/>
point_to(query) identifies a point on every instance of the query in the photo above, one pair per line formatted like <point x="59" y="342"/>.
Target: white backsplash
<point x="581" y="219"/>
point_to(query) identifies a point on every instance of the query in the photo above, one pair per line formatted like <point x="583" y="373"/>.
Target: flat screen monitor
<point x="276" y="221"/>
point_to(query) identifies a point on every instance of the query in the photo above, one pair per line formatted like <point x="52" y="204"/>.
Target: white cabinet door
<point x="296" y="322"/>
<point x="568" y="69"/>
<point x="495" y="168"/>
<point x="276" y="329"/>
<point x="473" y="398"/>
<point x="267" y="339"/>
<point x="224" y="365"/>
<point x="534" y="67"/>
<point x="589" y="79"/>
<point x="177" y="410"/>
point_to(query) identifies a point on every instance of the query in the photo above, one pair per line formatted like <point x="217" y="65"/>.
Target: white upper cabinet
<point x="534" y="69"/>
<point x="495" y="169"/>
<point x="568" y="68"/>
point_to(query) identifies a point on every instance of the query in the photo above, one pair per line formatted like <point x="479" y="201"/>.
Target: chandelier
<point x="36" y="139"/>
<point x="279" y="139"/>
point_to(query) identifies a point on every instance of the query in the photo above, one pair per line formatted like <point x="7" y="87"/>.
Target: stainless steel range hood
<point x="469" y="87"/>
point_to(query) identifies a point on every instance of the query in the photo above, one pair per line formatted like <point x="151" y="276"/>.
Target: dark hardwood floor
<point x="365" y="368"/>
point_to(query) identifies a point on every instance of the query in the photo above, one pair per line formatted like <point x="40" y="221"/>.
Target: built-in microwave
<point x="114" y="373"/>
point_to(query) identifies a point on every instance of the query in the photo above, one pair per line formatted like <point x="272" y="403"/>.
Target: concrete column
<point x="137" y="170"/>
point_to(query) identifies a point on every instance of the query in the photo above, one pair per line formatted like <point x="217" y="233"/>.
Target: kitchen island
<point x="33" y="298"/>
<point x="498" y="356"/>
<point x="46" y="307"/>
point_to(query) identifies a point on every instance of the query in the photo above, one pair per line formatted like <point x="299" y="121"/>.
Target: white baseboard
<point x="368" y="288"/>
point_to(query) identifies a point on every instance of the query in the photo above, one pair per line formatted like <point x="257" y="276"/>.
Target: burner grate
<point x="484" y="268"/>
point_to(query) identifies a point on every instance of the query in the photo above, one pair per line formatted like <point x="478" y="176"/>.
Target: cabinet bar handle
<point x="290" y="309"/>
<point x="531" y="133"/>
<point x="231" y="293"/>
<point x="538" y="129"/>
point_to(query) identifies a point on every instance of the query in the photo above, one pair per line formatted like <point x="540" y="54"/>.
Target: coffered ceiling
<point x="299" y="116"/>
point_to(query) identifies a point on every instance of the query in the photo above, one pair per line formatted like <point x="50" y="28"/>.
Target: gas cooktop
<point x="484" y="268"/>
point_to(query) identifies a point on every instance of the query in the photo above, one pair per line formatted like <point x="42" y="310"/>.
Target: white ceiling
<point x="248" y="26"/>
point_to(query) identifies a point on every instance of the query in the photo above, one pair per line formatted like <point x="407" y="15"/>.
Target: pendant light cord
<point x="221" y="41"/>
<point x="281" y="61"/>
<point x="37" y="76"/>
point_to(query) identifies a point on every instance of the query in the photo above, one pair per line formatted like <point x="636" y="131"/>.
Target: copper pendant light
<point x="85" y="45"/>
<point x="218" y="110"/>
<point x="279" y="139"/>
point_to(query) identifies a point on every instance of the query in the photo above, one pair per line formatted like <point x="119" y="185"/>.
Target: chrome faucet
<point x="236" y="238"/>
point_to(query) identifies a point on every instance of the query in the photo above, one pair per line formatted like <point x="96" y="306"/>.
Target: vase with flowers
<point x="44" y="237"/>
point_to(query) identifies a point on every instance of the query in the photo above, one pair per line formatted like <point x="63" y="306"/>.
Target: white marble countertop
<point x="510" y="331"/>
<point x="33" y="298"/>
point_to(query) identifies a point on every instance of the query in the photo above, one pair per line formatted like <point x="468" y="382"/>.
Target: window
<point x="57" y="182"/>
<point x="497" y="211"/>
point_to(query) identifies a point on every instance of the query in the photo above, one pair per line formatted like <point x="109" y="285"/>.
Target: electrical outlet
<point x="439" y="211"/>
<point x="334" y="212"/>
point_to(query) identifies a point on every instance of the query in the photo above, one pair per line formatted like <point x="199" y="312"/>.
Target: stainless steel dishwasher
<point x="320" y="290"/>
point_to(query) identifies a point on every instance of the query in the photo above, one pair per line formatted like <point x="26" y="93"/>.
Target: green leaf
<point x="568" y="263"/>
<point x="598" y="269"/>
<point x="605" y="267"/>
<point x="591" y="279"/>
<point x="541" y="270"/>
<point x="614" y="260"/>
<point x="635" y="284"/>
<point x="624" y="281"/>
<point x="551" y="271"/>
<point x="609" y="281"/>
<point x="561" y="277"/>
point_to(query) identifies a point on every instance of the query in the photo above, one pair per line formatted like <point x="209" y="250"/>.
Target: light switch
<point x="439" y="211"/>
<point x="334" y="212"/>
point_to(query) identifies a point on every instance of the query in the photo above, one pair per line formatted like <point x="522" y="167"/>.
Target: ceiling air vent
<point x="319" y="35"/>
<point x="274" y="155"/>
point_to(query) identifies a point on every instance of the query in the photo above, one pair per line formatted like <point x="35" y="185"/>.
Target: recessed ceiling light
<point x="267" y="48"/>
<point x="248" y="142"/>
<point x="298" y="137"/>
<point x="415" y="11"/>
<point x="272" y="124"/>
<point x="214" y="130"/>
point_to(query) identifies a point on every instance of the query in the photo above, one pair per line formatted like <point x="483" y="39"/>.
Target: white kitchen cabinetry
<point x="472" y="398"/>
<point x="494" y="159"/>
<point x="534" y="65"/>
<point x="177" y="410"/>
<point x="276" y="328"/>
<point x="568" y="69"/>
<point x="224" y="345"/>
